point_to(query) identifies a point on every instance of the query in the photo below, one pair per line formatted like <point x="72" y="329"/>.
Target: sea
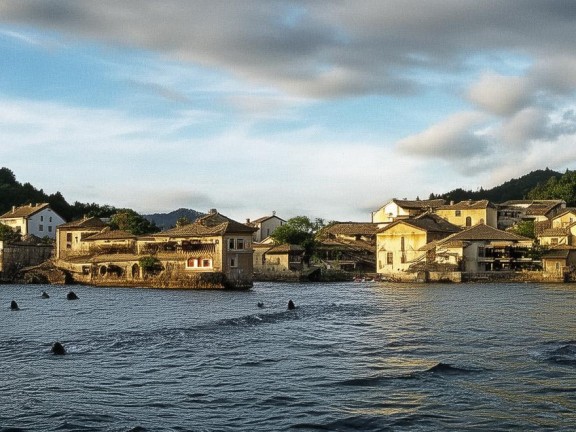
<point x="357" y="356"/>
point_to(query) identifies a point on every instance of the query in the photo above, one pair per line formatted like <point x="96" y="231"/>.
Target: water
<point x="355" y="356"/>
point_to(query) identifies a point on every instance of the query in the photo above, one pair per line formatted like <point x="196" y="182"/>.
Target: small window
<point x="69" y="237"/>
<point x="389" y="258"/>
<point x="40" y="227"/>
<point x="231" y="244"/>
<point x="50" y="219"/>
<point x="49" y="228"/>
<point x="240" y="244"/>
<point x="233" y="262"/>
<point x="458" y="213"/>
<point x="41" y="218"/>
<point x="468" y="221"/>
<point x="206" y="263"/>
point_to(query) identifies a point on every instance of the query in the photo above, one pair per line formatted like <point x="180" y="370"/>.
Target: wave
<point x="565" y="354"/>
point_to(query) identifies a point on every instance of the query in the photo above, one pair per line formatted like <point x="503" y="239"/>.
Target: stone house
<point x="559" y="261"/>
<point x="398" y="244"/>
<point x="281" y="258"/>
<point x="395" y="209"/>
<point x="212" y="252"/>
<point x="469" y="213"/>
<point x="70" y="236"/>
<point x="348" y="246"/>
<point x="482" y="248"/>
<point x="33" y="219"/>
<point x="265" y="226"/>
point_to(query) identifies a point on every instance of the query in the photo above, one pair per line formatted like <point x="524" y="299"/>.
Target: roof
<point x="213" y="224"/>
<point x="265" y="218"/>
<point x="565" y="211"/>
<point x="558" y="253"/>
<point x="468" y="205"/>
<point x="91" y="222"/>
<point x="553" y="232"/>
<point x="351" y="228"/>
<point x="429" y="222"/>
<point x="111" y="235"/>
<point x="526" y="203"/>
<point x="485" y="232"/>
<point x="419" y="204"/>
<point x="24" y="211"/>
<point x="285" y="248"/>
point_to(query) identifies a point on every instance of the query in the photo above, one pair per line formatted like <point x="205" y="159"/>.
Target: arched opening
<point x="468" y="221"/>
<point x="135" y="271"/>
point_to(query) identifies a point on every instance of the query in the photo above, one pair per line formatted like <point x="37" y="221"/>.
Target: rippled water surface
<point x="355" y="356"/>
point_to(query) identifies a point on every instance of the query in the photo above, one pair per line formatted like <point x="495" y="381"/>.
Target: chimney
<point x="13" y="209"/>
<point x="274" y="213"/>
<point x="247" y="220"/>
<point x="451" y="202"/>
<point x="213" y="211"/>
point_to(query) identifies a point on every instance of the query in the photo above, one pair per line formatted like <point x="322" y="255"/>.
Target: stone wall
<point x="14" y="257"/>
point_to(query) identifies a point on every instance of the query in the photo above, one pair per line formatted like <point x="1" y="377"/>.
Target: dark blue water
<point x="355" y="356"/>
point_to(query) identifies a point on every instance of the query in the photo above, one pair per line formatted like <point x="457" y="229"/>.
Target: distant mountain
<point x="514" y="189"/>
<point x="168" y="220"/>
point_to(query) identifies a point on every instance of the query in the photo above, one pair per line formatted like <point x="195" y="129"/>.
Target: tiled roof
<point x="111" y="235"/>
<point x="213" y="224"/>
<point x="264" y="218"/>
<point x="469" y="204"/>
<point x="525" y="203"/>
<point x="24" y="211"/>
<point x="92" y="222"/>
<point x="351" y="228"/>
<point x="285" y="248"/>
<point x="553" y="232"/>
<point x="565" y="211"/>
<point x="485" y="232"/>
<point x="429" y="222"/>
<point x="419" y="204"/>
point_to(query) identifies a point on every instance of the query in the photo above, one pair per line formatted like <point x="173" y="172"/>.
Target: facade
<point x="212" y="252"/>
<point x="70" y="236"/>
<point x="561" y="261"/>
<point x="33" y="219"/>
<point x="482" y="248"/>
<point x="265" y="226"/>
<point x="281" y="258"/>
<point x="395" y="209"/>
<point x="469" y="213"/>
<point x="398" y="244"/>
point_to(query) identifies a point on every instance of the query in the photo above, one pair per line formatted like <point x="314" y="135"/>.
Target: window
<point x="236" y="244"/>
<point x="231" y="244"/>
<point x="50" y="219"/>
<point x="240" y="244"/>
<point x="41" y="218"/>
<point x="481" y="251"/>
<point x="389" y="258"/>
<point x="468" y="221"/>
<point x="554" y="240"/>
<point x="199" y="262"/>
<point x="69" y="237"/>
<point x="49" y="228"/>
<point x="458" y="213"/>
<point x="233" y="262"/>
<point x="40" y="227"/>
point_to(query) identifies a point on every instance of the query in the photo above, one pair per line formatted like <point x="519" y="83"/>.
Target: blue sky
<point x="325" y="109"/>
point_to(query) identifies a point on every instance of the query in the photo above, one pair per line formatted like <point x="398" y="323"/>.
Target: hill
<point x="519" y="188"/>
<point x="168" y="220"/>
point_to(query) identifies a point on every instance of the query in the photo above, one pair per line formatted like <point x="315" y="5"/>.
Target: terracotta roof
<point x="485" y="232"/>
<point x="24" y="211"/>
<point x="350" y="228"/>
<point x="111" y="235"/>
<point x="213" y="224"/>
<point x="285" y="248"/>
<point x="92" y="222"/>
<point x="565" y="212"/>
<point x="428" y="221"/>
<point x="469" y="204"/>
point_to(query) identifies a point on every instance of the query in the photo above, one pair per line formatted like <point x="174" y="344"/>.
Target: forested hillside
<point x="540" y="184"/>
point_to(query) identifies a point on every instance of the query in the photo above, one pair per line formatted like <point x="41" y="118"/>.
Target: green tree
<point x="182" y="221"/>
<point x="130" y="221"/>
<point x="7" y="234"/>
<point x="299" y="230"/>
<point x="524" y="228"/>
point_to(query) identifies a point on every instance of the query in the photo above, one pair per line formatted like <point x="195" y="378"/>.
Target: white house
<point x="397" y="209"/>
<point x="265" y="226"/>
<point x="33" y="219"/>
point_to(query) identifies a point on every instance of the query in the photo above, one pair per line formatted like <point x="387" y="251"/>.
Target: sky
<point x="326" y="109"/>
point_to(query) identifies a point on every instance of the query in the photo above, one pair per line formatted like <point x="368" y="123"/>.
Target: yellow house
<point x="470" y="213"/>
<point x="398" y="244"/>
<point x="565" y="218"/>
<point x="70" y="236"/>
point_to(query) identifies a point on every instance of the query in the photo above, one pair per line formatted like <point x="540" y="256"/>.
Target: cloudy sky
<point x="318" y="108"/>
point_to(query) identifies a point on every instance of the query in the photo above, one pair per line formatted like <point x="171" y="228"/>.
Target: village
<point x="405" y="241"/>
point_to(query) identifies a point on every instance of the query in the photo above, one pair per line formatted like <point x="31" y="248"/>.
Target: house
<point x="469" y="213"/>
<point x="398" y="244"/>
<point x="212" y="252"/>
<point x="560" y="230"/>
<point x="265" y="226"/>
<point x="70" y="236"/>
<point x="280" y="258"/>
<point x="559" y="261"/>
<point x="396" y="208"/>
<point x="513" y="211"/>
<point x="564" y="218"/>
<point x="33" y="219"/>
<point x="349" y="246"/>
<point x="482" y="248"/>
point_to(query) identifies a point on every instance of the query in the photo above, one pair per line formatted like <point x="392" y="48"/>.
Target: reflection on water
<point x="356" y="356"/>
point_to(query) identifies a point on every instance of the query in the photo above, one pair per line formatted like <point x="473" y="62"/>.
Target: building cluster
<point x="405" y="240"/>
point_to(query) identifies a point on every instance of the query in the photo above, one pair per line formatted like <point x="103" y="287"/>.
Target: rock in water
<point x="72" y="296"/>
<point x="58" y="348"/>
<point x="14" y="305"/>
<point x="291" y="305"/>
